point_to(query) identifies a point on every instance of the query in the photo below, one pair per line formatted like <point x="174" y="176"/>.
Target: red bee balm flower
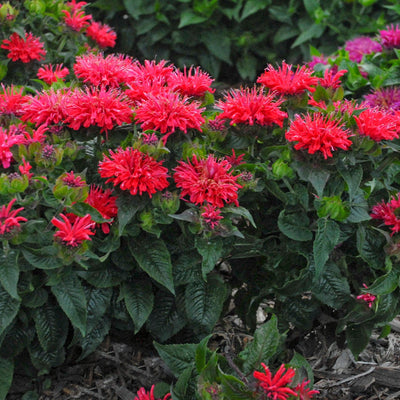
<point x="49" y="76"/>
<point x="367" y="297"/>
<point x="25" y="50"/>
<point x="78" y="20"/>
<point x="168" y="111"/>
<point x="102" y="34"/>
<point x="211" y="215"/>
<point x="317" y="132"/>
<point x="377" y="124"/>
<point x="73" y="234"/>
<point x="286" y="81"/>
<point x="276" y="387"/>
<point x="9" y="221"/>
<point x="143" y="395"/>
<point x="104" y="203"/>
<point x="208" y="181"/>
<point x="252" y="107"/>
<point x="12" y="100"/>
<point x="134" y="171"/>
<point x="303" y="392"/>
<point x="7" y="140"/>
<point x="388" y="212"/>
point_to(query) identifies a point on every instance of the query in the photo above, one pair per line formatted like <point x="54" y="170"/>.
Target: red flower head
<point x="7" y="140"/>
<point x="377" y="124"/>
<point x="207" y="180"/>
<point x="74" y="6"/>
<point x="46" y="108"/>
<point x="152" y="72"/>
<point x="303" y="392"/>
<point x="72" y="234"/>
<point x="49" y="76"/>
<point x="38" y="135"/>
<point x="9" y="222"/>
<point x="361" y="45"/>
<point x="134" y="171"/>
<point x="211" y="215"/>
<point x="99" y="70"/>
<point x="367" y="297"/>
<point x="104" y="203"/>
<point x="388" y="212"/>
<point x="143" y="395"/>
<point x="169" y="111"/>
<point x="285" y="81"/>
<point x="12" y="100"/>
<point x="25" y="50"/>
<point x="190" y="83"/>
<point x="276" y="387"/>
<point x="317" y="132"/>
<point x="390" y="38"/>
<point x="77" y="20"/>
<point x="331" y="78"/>
<point x="25" y="168"/>
<point x="233" y="160"/>
<point x="100" y="107"/>
<point x="102" y="34"/>
<point x="72" y="180"/>
<point x="251" y="107"/>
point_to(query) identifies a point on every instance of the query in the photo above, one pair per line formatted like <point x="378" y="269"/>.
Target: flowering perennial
<point x="361" y="45"/>
<point x="211" y="216"/>
<point x="9" y="221"/>
<point x="390" y="37"/>
<point x="11" y="101"/>
<point x="102" y="34"/>
<point x="388" y="212"/>
<point x="142" y="394"/>
<point x="367" y="297"/>
<point x="25" y="50"/>
<point x="48" y="75"/>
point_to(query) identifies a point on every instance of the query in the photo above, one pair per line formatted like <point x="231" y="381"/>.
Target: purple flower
<point x="361" y="45"/>
<point x="390" y="37"/>
<point x="385" y="98"/>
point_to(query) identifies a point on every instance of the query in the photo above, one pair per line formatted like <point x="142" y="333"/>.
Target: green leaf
<point x="263" y="347"/>
<point x="327" y="237"/>
<point x="370" y="246"/>
<point x="43" y="360"/>
<point x="299" y="362"/>
<point x="8" y="309"/>
<point x="243" y="212"/>
<point x="139" y="301"/>
<point x="6" y="376"/>
<point x="247" y="66"/>
<point x="35" y="299"/>
<point x="153" y="257"/>
<point x="51" y="327"/>
<point x="385" y="284"/>
<point x="188" y="17"/>
<point x="82" y="209"/>
<point x="127" y="210"/>
<point x="253" y="6"/>
<point x="295" y="226"/>
<point x="178" y="357"/>
<point x="9" y="272"/>
<point x="201" y="354"/>
<point x="358" y="338"/>
<point x="204" y="302"/>
<point x="184" y="387"/>
<point x="98" y="302"/>
<point x="218" y="44"/>
<point x="352" y="176"/>
<point x="330" y="287"/>
<point x="313" y="31"/>
<point x="211" y="250"/>
<point x="71" y="298"/>
<point x="45" y="258"/>
<point x="233" y="388"/>
<point x="316" y="176"/>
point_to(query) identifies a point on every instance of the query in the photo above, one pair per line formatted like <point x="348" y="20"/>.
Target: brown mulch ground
<point x="122" y="365"/>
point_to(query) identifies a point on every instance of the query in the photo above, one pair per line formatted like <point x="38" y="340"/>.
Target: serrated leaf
<point x="233" y="388"/>
<point x="243" y="212"/>
<point x="184" y="387"/>
<point x="295" y="226"/>
<point x="211" y="250"/>
<point x="105" y="277"/>
<point x="201" y="354"/>
<point x="358" y="338"/>
<point x="45" y="258"/>
<point x="43" y="360"/>
<point x="8" y="309"/>
<point x="127" y="210"/>
<point x="352" y="176"/>
<point x="327" y="237"/>
<point x="139" y="301"/>
<point x="218" y="44"/>
<point x="204" y="302"/>
<point x="299" y="362"/>
<point x="385" y="284"/>
<point x="188" y="17"/>
<point x="35" y="299"/>
<point x="6" y="376"/>
<point x="71" y="298"/>
<point x="263" y="347"/>
<point x="252" y="6"/>
<point x="178" y="357"/>
<point x="370" y="246"/>
<point x="98" y="302"/>
<point x="9" y="272"/>
<point x="153" y="257"/>
<point x="51" y="327"/>
<point x="313" y="31"/>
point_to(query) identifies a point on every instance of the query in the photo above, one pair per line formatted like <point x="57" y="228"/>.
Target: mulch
<point x="125" y="363"/>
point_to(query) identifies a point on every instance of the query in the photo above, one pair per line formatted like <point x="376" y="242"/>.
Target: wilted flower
<point x="390" y="38"/>
<point x="276" y="387"/>
<point x="9" y="221"/>
<point x="361" y="45"/>
<point x="252" y="107"/>
<point x="134" y="171"/>
<point x="26" y="50"/>
<point x="207" y="180"/>
<point x="317" y="132"/>
<point x="73" y="233"/>
<point x="102" y="34"/>
<point x="48" y="75"/>
<point x="287" y="82"/>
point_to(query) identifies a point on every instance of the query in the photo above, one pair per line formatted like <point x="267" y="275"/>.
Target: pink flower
<point x="143" y="395"/>
<point x="25" y="168"/>
<point x="287" y="82"/>
<point x="46" y="73"/>
<point x="167" y="112"/>
<point x="72" y="180"/>
<point x="390" y="38"/>
<point x="134" y="171"/>
<point x="8" y="138"/>
<point x="9" y="222"/>
<point x="252" y="107"/>
<point x="317" y="60"/>
<point x="304" y="392"/>
<point x="211" y="215"/>
<point x="276" y="387"/>
<point x="331" y="78"/>
<point x="361" y="45"/>
<point x="207" y="180"/>
<point x="317" y="132"/>
<point x="367" y="297"/>
<point x="77" y="20"/>
<point x="387" y="98"/>
<point x="73" y="233"/>
<point x="102" y="34"/>
<point x="26" y="50"/>
<point x="12" y="100"/>
<point x="388" y="212"/>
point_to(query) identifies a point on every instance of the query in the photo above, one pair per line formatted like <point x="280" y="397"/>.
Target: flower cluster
<point x="388" y="213"/>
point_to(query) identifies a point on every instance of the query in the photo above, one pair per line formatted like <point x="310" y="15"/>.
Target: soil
<point x="123" y="364"/>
